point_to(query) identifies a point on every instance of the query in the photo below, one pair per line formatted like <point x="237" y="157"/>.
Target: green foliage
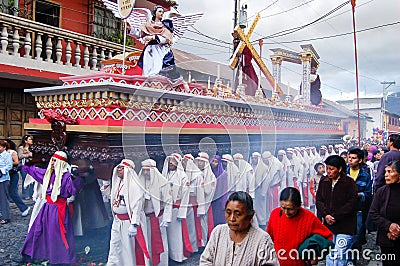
<point x="117" y="37"/>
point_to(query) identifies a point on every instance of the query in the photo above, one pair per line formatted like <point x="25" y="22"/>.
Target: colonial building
<point x="382" y="115"/>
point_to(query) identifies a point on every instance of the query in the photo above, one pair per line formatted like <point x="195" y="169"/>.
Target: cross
<point x="245" y="41"/>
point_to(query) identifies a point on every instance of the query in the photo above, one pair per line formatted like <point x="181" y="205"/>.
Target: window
<point x="6" y="6"/>
<point x="105" y="24"/>
<point x="47" y="13"/>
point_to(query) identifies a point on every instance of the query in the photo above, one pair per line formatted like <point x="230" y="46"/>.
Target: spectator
<point x="385" y="214"/>
<point x="337" y="204"/>
<point x="314" y="182"/>
<point x="394" y="154"/>
<point x="240" y="236"/>
<point x="24" y="153"/>
<point x="14" y="178"/>
<point x="364" y="193"/>
<point x="344" y="155"/>
<point x="5" y="167"/>
<point x="301" y="222"/>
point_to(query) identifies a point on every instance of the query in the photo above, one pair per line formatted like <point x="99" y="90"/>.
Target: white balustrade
<point x="4" y="39"/>
<point x="54" y="45"/>
<point x="27" y="44"/>
<point x="15" y="42"/>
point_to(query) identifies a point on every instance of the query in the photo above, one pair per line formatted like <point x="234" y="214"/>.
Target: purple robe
<point x="221" y="193"/>
<point x="44" y="239"/>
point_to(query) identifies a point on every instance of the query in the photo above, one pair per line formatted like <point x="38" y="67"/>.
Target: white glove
<point x="164" y="224"/>
<point x="132" y="230"/>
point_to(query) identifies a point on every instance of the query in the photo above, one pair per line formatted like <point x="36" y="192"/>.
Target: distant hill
<point x="393" y="103"/>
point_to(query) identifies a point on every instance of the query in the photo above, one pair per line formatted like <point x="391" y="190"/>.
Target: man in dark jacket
<point x="364" y="193"/>
<point x="394" y="154"/>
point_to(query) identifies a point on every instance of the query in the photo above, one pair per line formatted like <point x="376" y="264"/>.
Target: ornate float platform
<point x="137" y="117"/>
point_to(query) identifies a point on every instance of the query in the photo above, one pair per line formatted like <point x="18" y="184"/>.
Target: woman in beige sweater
<point x="239" y="242"/>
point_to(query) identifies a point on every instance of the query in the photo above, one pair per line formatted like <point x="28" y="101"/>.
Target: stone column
<point x="276" y="68"/>
<point x="305" y="82"/>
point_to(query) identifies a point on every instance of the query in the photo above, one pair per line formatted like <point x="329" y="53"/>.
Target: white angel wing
<point x="138" y="17"/>
<point x="182" y="23"/>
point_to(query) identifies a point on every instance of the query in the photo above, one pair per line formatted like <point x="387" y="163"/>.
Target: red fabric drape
<point x="249" y="74"/>
<point x="275" y="196"/>
<point x="62" y="211"/>
<point x="71" y="209"/>
<point x="157" y="246"/>
<point x="140" y="247"/>
<point x="187" y="247"/>
<point x="197" y="224"/>
<point x="210" y="222"/>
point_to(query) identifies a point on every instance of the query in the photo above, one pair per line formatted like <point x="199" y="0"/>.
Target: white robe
<point x="197" y="196"/>
<point x="122" y="247"/>
<point x="158" y="194"/>
<point x="180" y="193"/>
<point x="261" y="188"/>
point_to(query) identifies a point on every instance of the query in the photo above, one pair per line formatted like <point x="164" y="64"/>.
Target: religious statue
<point x="315" y="92"/>
<point x="58" y="127"/>
<point x="158" y="35"/>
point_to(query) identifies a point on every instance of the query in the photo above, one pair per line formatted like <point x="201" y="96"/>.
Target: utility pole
<point x="236" y="13"/>
<point x="386" y="85"/>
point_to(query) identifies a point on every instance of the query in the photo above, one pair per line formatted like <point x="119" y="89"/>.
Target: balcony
<point x="32" y="45"/>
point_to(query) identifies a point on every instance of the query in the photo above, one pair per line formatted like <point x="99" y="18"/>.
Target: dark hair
<point x="365" y="153"/>
<point x="4" y="143"/>
<point x="376" y="152"/>
<point x="292" y="194"/>
<point x="343" y="153"/>
<point x="317" y="165"/>
<point x="11" y="144"/>
<point x="395" y="138"/>
<point x="153" y="18"/>
<point x="24" y="138"/>
<point x="244" y="198"/>
<point x="395" y="165"/>
<point x="336" y="161"/>
<point x="360" y="153"/>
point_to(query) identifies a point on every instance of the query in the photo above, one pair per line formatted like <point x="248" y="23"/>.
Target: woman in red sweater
<point x="290" y="225"/>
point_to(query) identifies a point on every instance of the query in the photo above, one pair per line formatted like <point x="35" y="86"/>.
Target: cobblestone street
<point x="13" y="234"/>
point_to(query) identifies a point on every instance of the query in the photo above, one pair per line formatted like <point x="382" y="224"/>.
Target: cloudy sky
<point x="378" y="40"/>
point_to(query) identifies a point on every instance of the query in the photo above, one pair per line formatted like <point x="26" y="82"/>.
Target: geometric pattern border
<point x="182" y="118"/>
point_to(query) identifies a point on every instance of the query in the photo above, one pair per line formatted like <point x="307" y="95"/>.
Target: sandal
<point x="4" y="221"/>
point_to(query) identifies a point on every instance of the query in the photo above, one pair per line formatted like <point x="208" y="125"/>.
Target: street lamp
<point x="386" y="85"/>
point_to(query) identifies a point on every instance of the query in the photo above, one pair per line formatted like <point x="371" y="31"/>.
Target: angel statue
<point x="158" y="35"/>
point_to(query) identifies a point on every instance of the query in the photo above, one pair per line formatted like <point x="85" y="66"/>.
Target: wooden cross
<point x="245" y="41"/>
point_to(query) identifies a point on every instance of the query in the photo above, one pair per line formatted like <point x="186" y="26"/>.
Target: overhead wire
<point x="287" y="10"/>
<point x="335" y="35"/>
<point x="295" y="29"/>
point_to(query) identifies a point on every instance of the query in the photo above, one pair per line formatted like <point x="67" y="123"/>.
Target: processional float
<point x="119" y="113"/>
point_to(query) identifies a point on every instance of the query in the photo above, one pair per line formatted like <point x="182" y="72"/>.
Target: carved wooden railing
<point x="28" y="39"/>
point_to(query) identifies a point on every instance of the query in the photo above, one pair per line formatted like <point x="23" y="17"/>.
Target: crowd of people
<point x="220" y="205"/>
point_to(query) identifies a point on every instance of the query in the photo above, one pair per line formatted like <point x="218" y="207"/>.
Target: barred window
<point x="47" y="13"/>
<point x="105" y="23"/>
<point x="6" y="7"/>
